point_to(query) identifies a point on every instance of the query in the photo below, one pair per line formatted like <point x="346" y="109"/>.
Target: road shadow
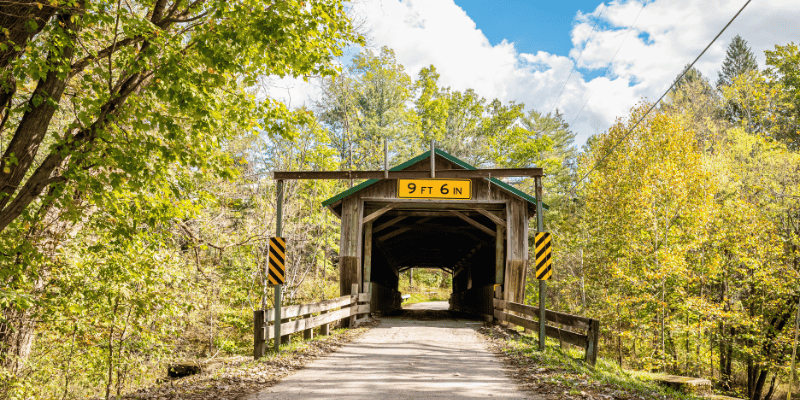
<point x="432" y="315"/>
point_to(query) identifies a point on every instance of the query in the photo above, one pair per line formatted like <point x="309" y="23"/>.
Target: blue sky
<point x="528" y="51"/>
<point x="532" y="25"/>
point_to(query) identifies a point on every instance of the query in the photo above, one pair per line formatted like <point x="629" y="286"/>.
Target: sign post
<point x="542" y="283"/>
<point x="278" y="286"/>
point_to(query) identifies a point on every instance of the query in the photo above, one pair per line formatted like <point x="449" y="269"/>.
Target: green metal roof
<point x="421" y="157"/>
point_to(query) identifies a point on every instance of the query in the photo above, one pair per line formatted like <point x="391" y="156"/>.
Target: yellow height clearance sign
<point x="544" y="270"/>
<point x="276" y="269"/>
<point x="457" y="189"/>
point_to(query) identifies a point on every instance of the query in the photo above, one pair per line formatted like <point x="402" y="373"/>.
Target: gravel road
<point x="416" y="355"/>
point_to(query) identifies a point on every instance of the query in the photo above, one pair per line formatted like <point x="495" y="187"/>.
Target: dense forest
<point x="136" y="200"/>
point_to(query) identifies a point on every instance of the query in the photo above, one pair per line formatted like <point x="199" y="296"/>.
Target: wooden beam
<point x="570" y="320"/>
<point x="474" y="223"/>
<point x="376" y="214"/>
<point x="402" y="230"/>
<point x="460" y="264"/>
<point x="388" y="224"/>
<point x="500" y="256"/>
<point x="488" y="214"/>
<point x="474" y="203"/>
<point x="440" y="228"/>
<point x="394" y="233"/>
<point x="446" y="173"/>
<point x="567" y="336"/>
<point x="367" y="252"/>
<point x="400" y="213"/>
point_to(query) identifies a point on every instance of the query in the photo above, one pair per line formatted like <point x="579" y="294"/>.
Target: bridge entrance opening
<point x="480" y="238"/>
<point x="404" y="239"/>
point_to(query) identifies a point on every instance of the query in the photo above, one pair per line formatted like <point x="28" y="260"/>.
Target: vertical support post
<point x="308" y="334"/>
<point x="324" y="330"/>
<point x="258" y="333"/>
<point x="354" y="307"/>
<point x="367" y="252"/>
<point x="385" y="158"/>
<point x="433" y="159"/>
<point x="591" y="347"/>
<point x="500" y="262"/>
<point x="542" y="283"/>
<point x="278" y="231"/>
<point x="367" y="257"/>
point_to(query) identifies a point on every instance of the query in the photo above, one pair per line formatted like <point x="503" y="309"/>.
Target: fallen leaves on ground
<point x="238" y="379"/>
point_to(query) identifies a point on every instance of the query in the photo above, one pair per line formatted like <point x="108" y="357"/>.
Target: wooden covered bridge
<point x="475" y="228"/>
<point x="433" y="211"/>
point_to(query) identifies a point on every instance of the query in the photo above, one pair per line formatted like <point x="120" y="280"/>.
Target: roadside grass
<point x="563" y="371"/>
<point x="241" y="375"/>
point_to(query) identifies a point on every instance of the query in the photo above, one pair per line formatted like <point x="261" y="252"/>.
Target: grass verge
<point x="561" y="373"/>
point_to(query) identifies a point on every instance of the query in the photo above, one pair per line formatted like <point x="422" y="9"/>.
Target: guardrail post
<point x="308" y="334"/>
<point x="258" y="333"/>
<point x="593" y="337"/>
<point x="353" y="315"/>
<point x="324" y="329"/>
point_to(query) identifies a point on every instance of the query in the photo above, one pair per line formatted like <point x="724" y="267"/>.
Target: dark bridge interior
<point x="406" y="239"/>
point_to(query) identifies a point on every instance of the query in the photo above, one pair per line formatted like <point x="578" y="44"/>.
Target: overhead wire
<point x="610" y="63"/>
<point x="588" y="39"/>
<point x="653" y="106"/>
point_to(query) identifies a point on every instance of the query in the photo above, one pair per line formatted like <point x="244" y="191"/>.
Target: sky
<point x="590" y="60"/>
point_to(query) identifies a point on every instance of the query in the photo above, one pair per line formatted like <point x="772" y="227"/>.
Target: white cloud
<point x="667" y="35"/>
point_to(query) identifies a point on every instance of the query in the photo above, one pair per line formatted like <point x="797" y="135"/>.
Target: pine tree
<point x="739" y="59"/>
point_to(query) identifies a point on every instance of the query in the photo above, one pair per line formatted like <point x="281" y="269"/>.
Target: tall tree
<point x="739" y="59"/>
<point x="784" y="75"/>
<point x="112" y="95"/>
<point x="739" y="63"/>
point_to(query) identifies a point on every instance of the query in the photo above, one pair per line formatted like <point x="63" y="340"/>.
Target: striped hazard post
<point x="544" y="270"/>
<point x="277" y="261"/>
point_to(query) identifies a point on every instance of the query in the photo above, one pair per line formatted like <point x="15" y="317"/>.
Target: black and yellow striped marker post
<point x="544" y="269"/>
<point x="277" y="261"/>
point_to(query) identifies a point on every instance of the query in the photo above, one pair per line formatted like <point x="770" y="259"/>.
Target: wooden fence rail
<point x="587" y="341"/>
<point x="305" y="322"/>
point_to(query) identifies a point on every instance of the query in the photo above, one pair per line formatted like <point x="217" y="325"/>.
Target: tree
<point x="784" y="75"/>
<point x="739" y="59"/>
<point x="131" y="72"/>
<point x="366" y="104"/>
<point x="104" y="97"/>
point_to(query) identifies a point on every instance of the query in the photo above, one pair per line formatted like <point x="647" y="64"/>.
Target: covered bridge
<point x="475" y="228"/>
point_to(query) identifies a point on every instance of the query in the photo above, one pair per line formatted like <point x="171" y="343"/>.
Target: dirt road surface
<point x="420" y="354"/>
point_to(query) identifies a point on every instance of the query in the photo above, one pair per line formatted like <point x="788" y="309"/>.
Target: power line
<point x="644" y="3"/>
<point x="579" y="58"/>
<point x="625" y="136"/>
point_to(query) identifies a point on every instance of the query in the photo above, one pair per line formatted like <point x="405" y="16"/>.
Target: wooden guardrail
<point x="328" y="311"/>
<point x="588" y="341"/>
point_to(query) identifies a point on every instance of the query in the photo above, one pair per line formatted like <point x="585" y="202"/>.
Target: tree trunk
<point x="30" y="132"/>
<point x="772" y="386"/>
<point x="17" y="331"/>
<point x="758" y="386"/>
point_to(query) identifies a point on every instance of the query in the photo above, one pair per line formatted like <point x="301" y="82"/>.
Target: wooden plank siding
<point x="504" y="213"/>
